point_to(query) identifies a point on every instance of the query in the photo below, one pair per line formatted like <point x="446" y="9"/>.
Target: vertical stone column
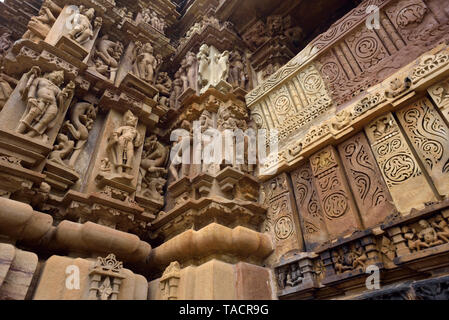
<point x="311" y="214"/>
<point x="370" y="191"/>
<point x="398" y="165"/>
<point x="429" y="136"/>
<point x="440" y="95"/>
<point x="340" y="211"/>
<point x="282" y="219"/>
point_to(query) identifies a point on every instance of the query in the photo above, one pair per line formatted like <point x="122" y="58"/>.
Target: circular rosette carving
<point x="312" y="83"/>
<point x="366" y="47"/>
<point x="335" y="205"/>
<point x="283" y="228"/>
<point x="282" y="105"/>
<point x="331" y="71"/>
<point x="399" y="168"/>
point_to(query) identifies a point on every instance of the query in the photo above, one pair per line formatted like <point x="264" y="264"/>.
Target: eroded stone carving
<point x="83" y="31"/>
<point x="145" y="63"/>
<point x="82" y="118"/>
<point x="107" y="57"/>
<point x="105" y="278"/>
<point x="45" y="99"/>
<point x="39" y="26"/>
<point x="122" y="144"/>
<point x="152" y="170"/>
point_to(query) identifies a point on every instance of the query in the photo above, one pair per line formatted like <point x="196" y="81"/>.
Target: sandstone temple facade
<point x="94" y="206"/>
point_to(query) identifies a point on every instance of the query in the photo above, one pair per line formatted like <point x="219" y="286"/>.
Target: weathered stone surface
<point x="19" y="275"/>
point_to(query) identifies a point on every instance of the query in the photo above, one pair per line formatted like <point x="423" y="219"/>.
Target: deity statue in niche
<point x="294" y="276"/>
<point x="121" y="145"/>
<point x="176" y="90"/>
<point x="45" y="99"/>
<point x="203" y="64"/>
<point x="191" y="68"/>
<point x="179" y="146"/>
<point x="82" y="30"/>
<point x="39" y="26"/>
<point x="238" y="76"/>
<point x="145" y="64"/>
<point x="107" y="57"/>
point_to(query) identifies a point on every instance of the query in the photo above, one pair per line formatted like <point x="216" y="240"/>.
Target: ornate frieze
<point x="398" y="165"/>
<point x="368" y="187"/>
<point x="339" y="210"/>
<point x="311" y="215"/>
<point x="429" y="135"/>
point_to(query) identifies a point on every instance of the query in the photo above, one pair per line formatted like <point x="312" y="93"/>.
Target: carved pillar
<point x="340" y="211"/>
<point x="282" y="219"/>
<point x="369" y="189"/>
<point x="310" y="212"/>
<point x="398" y="165"/>
<point x="429" y="136"/>
<point x="440" y="95"/>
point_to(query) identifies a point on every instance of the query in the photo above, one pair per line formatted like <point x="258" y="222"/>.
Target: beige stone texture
<point x="52" y="283"/>
<point x="18" y="278"/>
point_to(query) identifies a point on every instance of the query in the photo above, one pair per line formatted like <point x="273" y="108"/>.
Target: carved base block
<point x="131" y="81"/>
<point x="29" y="151"/>
<point x="197" y="214"/>
<point x="149" y="204"/>
<point x="228" y="178"/>
<point x="203" y="183"/>
<point x="72" y="47"/>
<point x="189" y="92"/>
<point x="60" y="177"/>
<point x="119" y="181"/>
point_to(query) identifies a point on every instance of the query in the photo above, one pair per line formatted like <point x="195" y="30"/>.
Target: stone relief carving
<point x="289" y="276"/>
<point x="368" y="188"/>
<point x="397" y="162"/>
<point x="349" y="258"/>
<point x="334" y="194"/>
<point x="429" y="136"/>
<point x="310" y="211"/>
<point x="169" y="281"/>
<point x="5" y="42"/>
<point x="164" y="85"/>
<point x="39" y="26"/>
<point x="107" y="56"/>
<point x="45" y="100"/>
<point x="145" y="63"/>
<point x="238" y="75"/>
<point x="5" y="91"/>
<point x="152" y="18"/>
<point x="213" y="67"/>
<point x="82" y="118"/>
<point x="152" y="170"/>
<point x="62" y="149"/>
<point x="83" y="30"/>
<point x="121" y="147"/>
<point x="105" y="278"/>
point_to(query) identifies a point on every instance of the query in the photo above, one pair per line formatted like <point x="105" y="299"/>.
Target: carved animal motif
<point x="81" y="119"/>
